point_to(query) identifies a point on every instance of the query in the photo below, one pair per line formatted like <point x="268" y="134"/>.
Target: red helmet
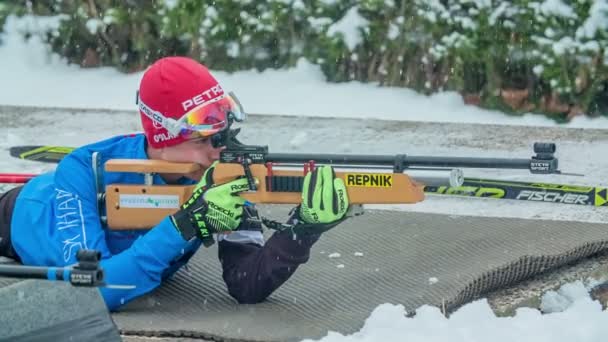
<point x="179" y="99"/>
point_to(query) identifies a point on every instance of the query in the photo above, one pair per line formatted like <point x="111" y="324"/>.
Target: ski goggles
<point x="202" y="121"/>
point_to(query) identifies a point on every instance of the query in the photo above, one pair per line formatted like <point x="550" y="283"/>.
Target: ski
<point x="526" y="191"/>
<point x="41" y="153"/>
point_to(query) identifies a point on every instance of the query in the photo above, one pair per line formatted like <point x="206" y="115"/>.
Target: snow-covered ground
<point x="574" y="317"/>
<point x="31" y="77"/>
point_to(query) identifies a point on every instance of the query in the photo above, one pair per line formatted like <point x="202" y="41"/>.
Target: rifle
<point x="277" y="178"/>
<point x="470" y="187"/>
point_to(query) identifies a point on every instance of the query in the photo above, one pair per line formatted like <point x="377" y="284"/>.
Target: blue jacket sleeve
<point x="142" y="264"/>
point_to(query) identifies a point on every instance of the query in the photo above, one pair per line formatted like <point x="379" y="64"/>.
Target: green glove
<point x="324" y="197"/>
<point x="211" y="208"/>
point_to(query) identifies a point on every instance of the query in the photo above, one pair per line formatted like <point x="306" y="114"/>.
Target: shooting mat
<point x="384" y="257"/>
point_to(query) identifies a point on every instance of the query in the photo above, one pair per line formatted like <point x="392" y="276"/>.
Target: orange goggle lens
<point x="211" y="117"/>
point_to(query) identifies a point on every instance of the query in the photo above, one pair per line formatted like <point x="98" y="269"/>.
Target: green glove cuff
<point x="189" y="227"/>
<point x="295" y="225"/>
<point x="304" y="228"/>
<point x="211" y="209"/>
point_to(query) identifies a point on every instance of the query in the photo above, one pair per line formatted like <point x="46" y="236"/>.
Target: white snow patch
<point x="349" y="27"/>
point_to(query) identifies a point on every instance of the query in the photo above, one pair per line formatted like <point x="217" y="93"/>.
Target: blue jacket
<point x="56" y="214"/>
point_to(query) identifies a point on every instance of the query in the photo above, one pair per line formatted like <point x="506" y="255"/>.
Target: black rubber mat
<point x="384" y="257"/>
<point x="380" y="257"/>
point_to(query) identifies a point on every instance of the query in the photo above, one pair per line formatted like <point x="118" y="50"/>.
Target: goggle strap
<point x="170" y="124"/>
<point x="173" y="126"/>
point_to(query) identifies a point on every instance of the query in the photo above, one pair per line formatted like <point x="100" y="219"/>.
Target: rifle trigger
<point x="309" y="167"/>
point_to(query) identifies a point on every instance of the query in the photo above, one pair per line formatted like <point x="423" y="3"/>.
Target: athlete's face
<point x="199" y="151"/>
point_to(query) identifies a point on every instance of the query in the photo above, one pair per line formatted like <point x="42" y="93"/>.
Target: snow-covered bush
<point x="516" y="55"/>
<point x="233" y="34"/>
<point x="569" y="51"/>
<point x="373" y="40"/>
<point x="124" y="34"/>
<point x="7" y="8"/>
<point x="546" y="55"/>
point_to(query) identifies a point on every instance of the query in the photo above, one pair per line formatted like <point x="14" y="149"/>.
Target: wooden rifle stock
<point x="143" y="206"/>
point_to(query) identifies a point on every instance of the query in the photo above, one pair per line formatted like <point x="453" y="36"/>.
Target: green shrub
<point x="517" y="55"/>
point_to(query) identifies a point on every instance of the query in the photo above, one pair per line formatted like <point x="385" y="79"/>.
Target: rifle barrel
<point x="470" y="162"/>
<point x="401" y="160"/>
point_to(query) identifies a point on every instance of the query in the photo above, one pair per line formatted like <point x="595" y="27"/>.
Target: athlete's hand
<point x="324" y="202"/>
<point x="211" y="208"/>
<point x="324" y="197"/>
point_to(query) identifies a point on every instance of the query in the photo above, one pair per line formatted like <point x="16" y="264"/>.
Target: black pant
<point x="7" y="203"/>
